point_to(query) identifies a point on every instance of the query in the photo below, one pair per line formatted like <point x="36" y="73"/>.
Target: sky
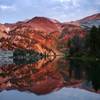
<point x="63" y="10"/>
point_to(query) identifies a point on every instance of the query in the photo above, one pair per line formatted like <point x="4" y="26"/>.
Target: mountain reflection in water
<point x="46" y="75"/>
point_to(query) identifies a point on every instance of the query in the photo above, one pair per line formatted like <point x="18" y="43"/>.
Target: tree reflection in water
<point x="86" y="70"/>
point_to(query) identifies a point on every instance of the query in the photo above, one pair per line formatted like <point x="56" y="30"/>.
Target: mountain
<point x="39" y="33"/>
<point x="39" y="23"/>
<point x="43" y="34"/>
<point x="44" y="24"/>
<point x="2" y="29"/>
<point x="90" y="20"/>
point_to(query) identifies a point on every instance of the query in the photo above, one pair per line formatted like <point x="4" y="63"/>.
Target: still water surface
<point x="49" y="78"/>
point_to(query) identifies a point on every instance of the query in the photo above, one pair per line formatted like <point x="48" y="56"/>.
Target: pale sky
<point x="62" y="10"/>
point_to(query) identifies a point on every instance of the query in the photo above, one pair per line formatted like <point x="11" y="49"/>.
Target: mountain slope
<point x="90" y="20"/>
<point x="43" y="34"/>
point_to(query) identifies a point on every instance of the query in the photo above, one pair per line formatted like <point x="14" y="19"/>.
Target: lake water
<point x="49" y="78"/>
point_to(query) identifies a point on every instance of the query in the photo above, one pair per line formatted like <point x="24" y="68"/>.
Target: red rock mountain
<point x="40" y="33"/>
<point x="44" y="24"/>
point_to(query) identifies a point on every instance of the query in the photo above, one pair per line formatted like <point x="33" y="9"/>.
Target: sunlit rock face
<point x="41" y="34"/>
<point x="3" y="31"/>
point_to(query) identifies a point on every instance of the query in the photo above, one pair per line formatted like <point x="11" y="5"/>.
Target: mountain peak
<point x="42" y="19"/>
<point x="38" y="18"/>
<point x="90" y="18"/>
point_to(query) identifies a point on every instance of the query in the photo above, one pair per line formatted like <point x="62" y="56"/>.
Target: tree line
<point x="88" y="46"/>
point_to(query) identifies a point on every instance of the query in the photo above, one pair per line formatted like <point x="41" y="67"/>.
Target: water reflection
<point x="45" y="75"/>
<point x="87" y="71"/>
